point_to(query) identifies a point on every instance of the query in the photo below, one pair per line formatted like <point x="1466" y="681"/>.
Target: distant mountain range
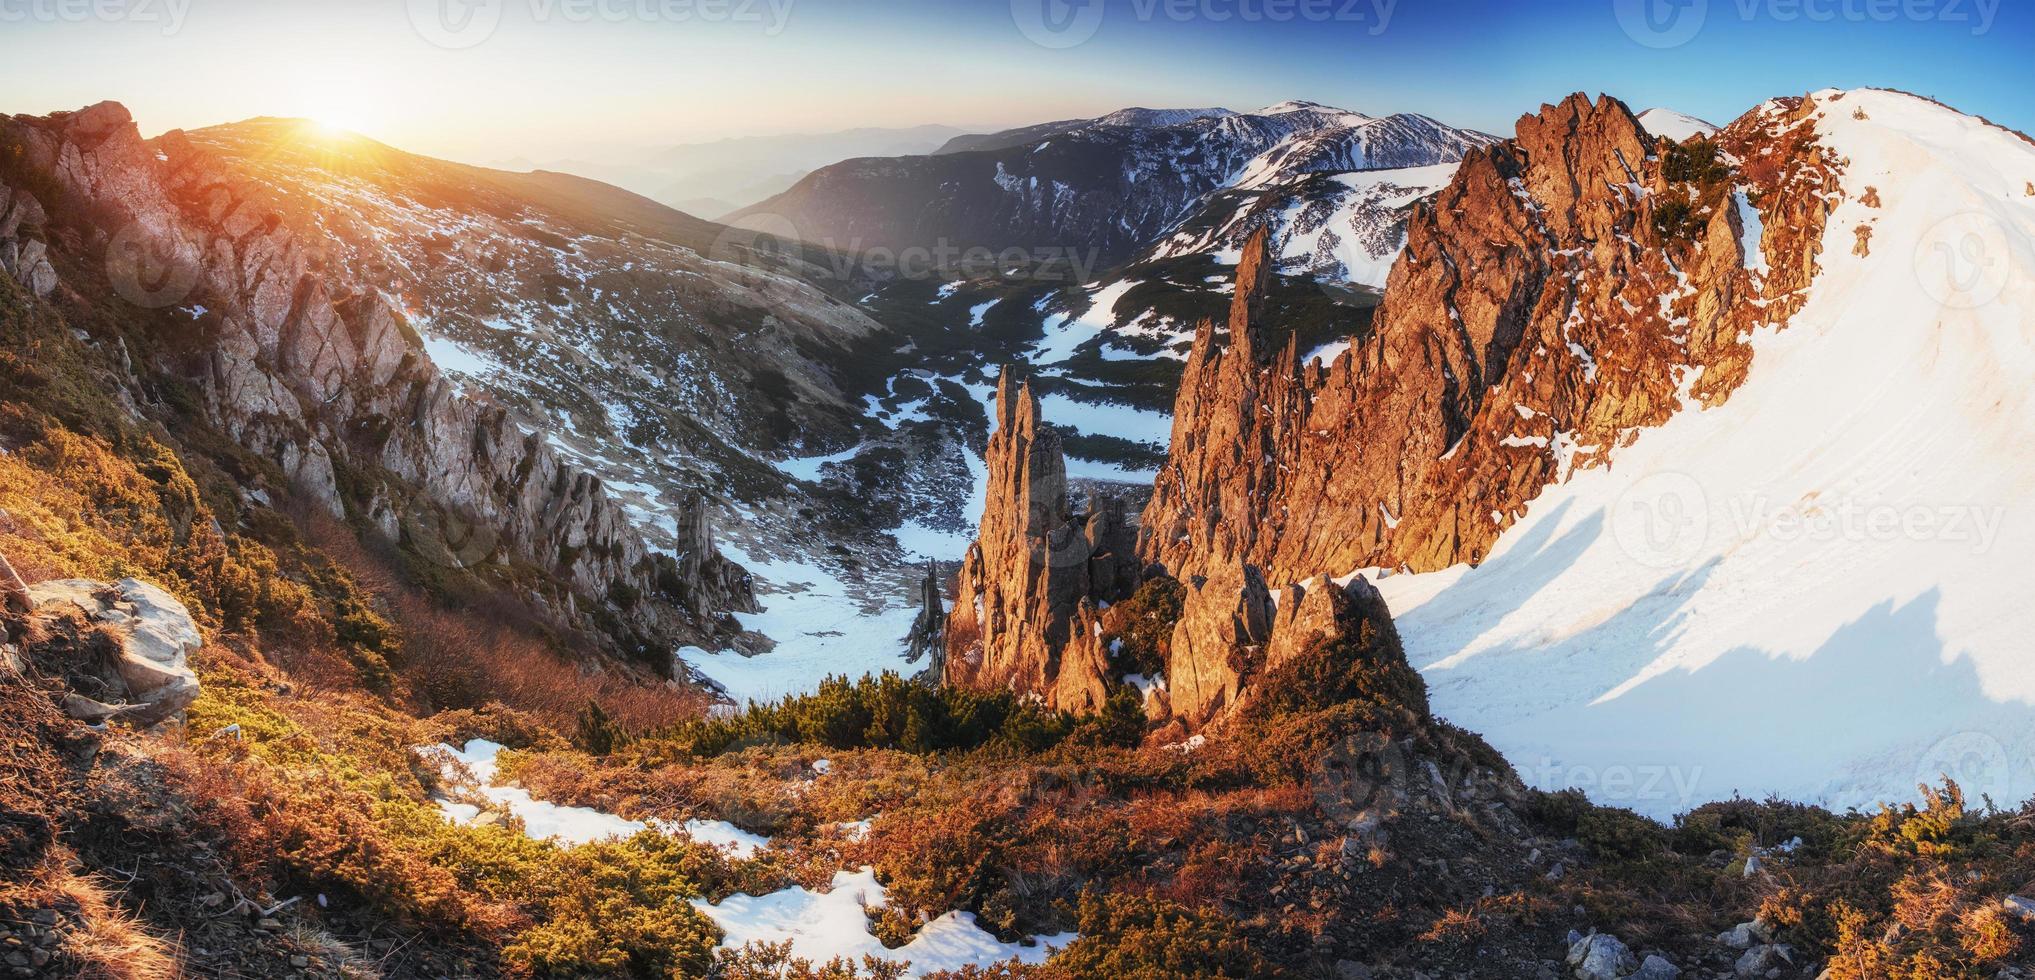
<point x="1112" y="186"/>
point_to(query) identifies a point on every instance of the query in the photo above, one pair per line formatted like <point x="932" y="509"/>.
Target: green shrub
<point x="597" y="733"/>
<point x="876" y="712"/>
<point x="1694" y="162"/>
<point x="1128" y="937"/>
<point x="621" y="909"/>
<point x="1368" y="667"/>
<point x="1139" y="630"/>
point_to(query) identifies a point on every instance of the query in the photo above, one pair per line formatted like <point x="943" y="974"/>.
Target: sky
<point x="490" y="80"/>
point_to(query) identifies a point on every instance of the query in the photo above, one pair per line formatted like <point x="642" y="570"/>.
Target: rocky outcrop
<point x="1570" y="285"/>
<point x="1233" y="629"/>
<point x="122" y="648"/>
<point x="1025" y="616"/>
<point x="23" y="257"/>
<point x="321" y="375"/>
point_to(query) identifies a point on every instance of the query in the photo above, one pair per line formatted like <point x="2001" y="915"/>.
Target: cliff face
<point x="1233" y="629"/>
<point x="1569" y="286"/>
<point x="1025" y="617"/>
<point x="321" y="375"/>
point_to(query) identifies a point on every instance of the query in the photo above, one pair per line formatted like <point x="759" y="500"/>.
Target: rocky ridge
<point x="1026" y="615"/>
<point x="320" y="373"/>
<point x="1568" y="287"/>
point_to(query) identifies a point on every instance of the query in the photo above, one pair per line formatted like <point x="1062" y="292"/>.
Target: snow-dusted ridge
<point x="1677" y="126"/>
<point x="1820" y="588"/>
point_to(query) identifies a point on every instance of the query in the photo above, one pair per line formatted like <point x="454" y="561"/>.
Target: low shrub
<point x="886" y="712"/>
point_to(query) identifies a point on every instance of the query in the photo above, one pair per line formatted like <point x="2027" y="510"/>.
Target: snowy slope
<point x="1343" y="227"/>
<point x="1821" y="588"/>
<point x="1677" y="126"/>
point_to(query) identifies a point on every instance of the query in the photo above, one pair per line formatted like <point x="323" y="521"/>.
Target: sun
<point x="335" y="102"/>
<point x="333" y="118"/>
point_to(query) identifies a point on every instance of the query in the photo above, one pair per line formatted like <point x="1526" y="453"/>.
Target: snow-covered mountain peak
<point x="1677" y="126"/>
<point x="1298" y="105"/>
<point x="1151" y="118"/>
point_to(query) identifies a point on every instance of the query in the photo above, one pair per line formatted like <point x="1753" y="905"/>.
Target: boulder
<point x="1746" y="935"/>
<point x="1600" y="956"/>
<point x="152" y="637"/>
<point x="2019" y="907"/>
<point x="1764" y="960"/>
<point x="1656" y="968"/>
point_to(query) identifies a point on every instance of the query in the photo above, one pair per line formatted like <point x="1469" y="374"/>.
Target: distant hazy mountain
<point x="711" y="179"/>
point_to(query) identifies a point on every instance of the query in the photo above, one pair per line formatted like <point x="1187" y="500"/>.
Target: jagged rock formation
<point x="24" y="258"/>
<point x="123" y="649"/>
<point x="320" y="374"/>
<point x="1025" y="617"/>
<point x="926" y="641"/>
<point x="1570" y="285"/>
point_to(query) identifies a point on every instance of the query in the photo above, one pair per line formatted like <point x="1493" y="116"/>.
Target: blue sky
<point x="533" y="77"/>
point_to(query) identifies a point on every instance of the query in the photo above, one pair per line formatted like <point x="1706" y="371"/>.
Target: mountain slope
<point x="1816" y="588"/>
<point x="600" y="379"/>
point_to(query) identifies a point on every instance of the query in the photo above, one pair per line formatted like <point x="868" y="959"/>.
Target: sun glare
<point x="334" y="101"/>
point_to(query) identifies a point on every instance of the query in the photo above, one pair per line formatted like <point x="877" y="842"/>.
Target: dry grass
<point x="108" y="943"/>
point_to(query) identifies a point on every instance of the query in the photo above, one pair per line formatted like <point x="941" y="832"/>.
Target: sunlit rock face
<point x="1025" y="616"/>
<point x="1567" y="287"/>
